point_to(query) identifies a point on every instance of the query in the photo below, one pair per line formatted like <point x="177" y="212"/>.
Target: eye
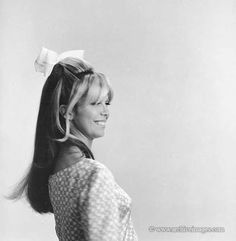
<point x="95" y="103"/>
<point x="99" y="103"/>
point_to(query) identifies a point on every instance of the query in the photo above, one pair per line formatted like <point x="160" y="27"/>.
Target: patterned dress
<point x="89" y="205"/>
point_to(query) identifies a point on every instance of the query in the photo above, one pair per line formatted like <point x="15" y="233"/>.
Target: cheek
<point x="89" y="116"/>
<point x="86" y="117"/>
<point x="89" y="113"/>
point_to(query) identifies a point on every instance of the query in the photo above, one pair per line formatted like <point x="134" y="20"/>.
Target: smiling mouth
<point x="100" y="123"/>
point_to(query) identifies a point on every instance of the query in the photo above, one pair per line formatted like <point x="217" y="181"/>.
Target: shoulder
<point x="98" y="170"/>
<point x="67" y="157"/>
<point x="100" y="181"/>
<point x="72" y="160"/>
<point x="93" y="175"/>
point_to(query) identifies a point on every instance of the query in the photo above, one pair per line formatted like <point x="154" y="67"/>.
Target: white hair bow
<point x="48" y="58"/>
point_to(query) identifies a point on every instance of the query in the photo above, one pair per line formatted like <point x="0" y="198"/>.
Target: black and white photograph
<point x="118" y="120"/>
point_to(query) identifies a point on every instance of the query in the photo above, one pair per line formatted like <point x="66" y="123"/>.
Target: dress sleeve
<point x="101" y="217"/>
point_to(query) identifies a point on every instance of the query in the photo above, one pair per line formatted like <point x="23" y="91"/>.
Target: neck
<point x="88" y="142"/>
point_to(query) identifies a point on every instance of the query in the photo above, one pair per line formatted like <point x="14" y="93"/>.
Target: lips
<point x="100" y="122"/>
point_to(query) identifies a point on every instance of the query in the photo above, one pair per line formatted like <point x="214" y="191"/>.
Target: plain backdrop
<point x="170" y="141"/>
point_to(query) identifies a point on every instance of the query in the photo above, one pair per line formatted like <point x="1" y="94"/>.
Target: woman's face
<point x="90" y="118"/>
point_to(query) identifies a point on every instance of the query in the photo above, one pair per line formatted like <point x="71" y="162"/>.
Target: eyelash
<point x="107" y="103"/>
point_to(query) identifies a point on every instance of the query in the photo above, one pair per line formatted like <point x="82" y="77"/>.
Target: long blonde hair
<point x="69" y="84"/>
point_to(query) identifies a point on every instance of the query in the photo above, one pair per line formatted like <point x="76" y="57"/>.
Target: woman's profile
<point x="64" y="177"/>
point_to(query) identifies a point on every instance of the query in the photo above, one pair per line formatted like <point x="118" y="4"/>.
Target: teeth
<point x="101" y="123"/>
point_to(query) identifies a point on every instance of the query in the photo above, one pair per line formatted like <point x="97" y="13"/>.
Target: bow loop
<point x="48" y="58"/>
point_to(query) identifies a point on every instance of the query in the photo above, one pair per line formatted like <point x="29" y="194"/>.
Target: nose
<point x="105" y="111"/>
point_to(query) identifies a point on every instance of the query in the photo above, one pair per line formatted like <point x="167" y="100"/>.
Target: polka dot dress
<point x="89" y="205"/>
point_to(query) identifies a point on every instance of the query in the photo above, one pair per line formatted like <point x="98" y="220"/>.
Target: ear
<point x="62" y="110"/>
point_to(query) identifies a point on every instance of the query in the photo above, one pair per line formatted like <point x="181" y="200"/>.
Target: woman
<point x="64" y="177"/>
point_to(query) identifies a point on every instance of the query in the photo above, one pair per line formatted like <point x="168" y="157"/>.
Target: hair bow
<point x="48" y="58"/>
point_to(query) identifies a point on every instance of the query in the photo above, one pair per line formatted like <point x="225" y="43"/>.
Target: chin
<point x="99" y="135"/>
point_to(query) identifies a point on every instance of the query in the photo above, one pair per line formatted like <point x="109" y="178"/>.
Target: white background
<point x="171" y="138"/>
